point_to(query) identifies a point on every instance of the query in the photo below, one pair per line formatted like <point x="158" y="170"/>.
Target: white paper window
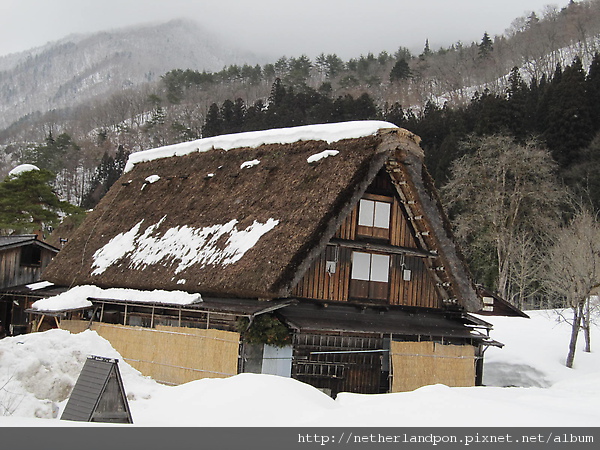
<point x="361" y="266"/>
<point x="366" y="213"/>
<point x="370" y="267"/>
<point x="380" y="268"/>
<point x="374" y="214"/>
<point x="382" y="215"/>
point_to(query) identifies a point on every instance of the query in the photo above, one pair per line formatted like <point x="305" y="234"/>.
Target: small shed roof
<point x="7" y="242"/>
<point x="98" y="395"/>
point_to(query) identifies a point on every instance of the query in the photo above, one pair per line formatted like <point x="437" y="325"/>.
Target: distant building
<point x="22" y="260"/>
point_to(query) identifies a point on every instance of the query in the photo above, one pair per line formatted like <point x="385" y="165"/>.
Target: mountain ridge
<point x="79" y="67"/>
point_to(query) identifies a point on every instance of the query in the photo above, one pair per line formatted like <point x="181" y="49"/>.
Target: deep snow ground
<point x="37" y="372"/>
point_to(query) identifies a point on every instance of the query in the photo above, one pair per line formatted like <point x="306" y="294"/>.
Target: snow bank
<point x="325" y="132"/>
<point x="22" y="169"/>
<point x="77" y="297"/>
<point x="182" y="246"/>
<point x="38" y="371"/>
<point x="535" y="351"/>
<point x="41" y="368"/>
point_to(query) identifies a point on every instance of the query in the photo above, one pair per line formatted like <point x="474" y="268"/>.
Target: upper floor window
<point x="31" y="255"/>
<point x="370" y="276"/>
<point x="374" y="218"/>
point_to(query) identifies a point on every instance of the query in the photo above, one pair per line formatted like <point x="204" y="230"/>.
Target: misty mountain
<point x="79" y="67"/>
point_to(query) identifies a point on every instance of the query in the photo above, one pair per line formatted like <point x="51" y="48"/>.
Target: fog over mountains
<point x="79" y="67"/>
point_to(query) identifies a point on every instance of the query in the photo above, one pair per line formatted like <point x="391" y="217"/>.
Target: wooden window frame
<point x="375" y="232"/>
<point x="373" y="288"/>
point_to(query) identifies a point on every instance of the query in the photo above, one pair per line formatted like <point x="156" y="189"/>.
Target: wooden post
<point x="39" y="324"/>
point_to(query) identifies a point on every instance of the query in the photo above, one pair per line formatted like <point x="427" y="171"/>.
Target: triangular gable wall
<point x="328" y="278"/>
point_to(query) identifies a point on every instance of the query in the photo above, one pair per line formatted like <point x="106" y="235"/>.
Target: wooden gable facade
<point x="375" y="256"/>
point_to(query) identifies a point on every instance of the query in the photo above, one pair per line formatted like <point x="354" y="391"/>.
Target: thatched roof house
<point x="341" y="215"/>
<point x="214" y="222"/>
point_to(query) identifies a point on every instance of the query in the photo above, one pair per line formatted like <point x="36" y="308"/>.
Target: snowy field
<point x="37" y="372"/>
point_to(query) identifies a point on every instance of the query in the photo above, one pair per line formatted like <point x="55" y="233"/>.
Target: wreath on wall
<point x="264" y="329"/>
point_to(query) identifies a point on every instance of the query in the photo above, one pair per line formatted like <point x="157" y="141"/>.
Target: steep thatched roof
<point x="243" y="222"/>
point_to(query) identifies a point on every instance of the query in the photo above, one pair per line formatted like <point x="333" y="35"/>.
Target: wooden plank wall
<point x="419" y="291"/>
<point x="170" y="355"/>
<point x="319" y="284"/>
<point x="401" y="233"/>
<point x="12" y="273"/>
<point x="417" y="364"/>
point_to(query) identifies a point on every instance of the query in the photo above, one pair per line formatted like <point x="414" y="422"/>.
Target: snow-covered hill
<point x="79" y="67"/>
<point x="38" y="370"/>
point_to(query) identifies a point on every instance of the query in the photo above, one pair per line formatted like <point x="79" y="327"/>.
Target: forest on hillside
<point x="519" y="111"/>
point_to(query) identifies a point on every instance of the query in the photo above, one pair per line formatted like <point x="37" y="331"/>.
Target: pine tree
<point x="400" y="71"/>
<point x="486" y="46"/>
<point x="593" y="92"/>
<point x="570" y="124"/>
<point x="28" y="203"/>
<point x="213" y="125"/>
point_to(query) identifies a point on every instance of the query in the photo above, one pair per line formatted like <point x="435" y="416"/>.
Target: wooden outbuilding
<point x="320" y="252"/>
<point x="22" y="260"/>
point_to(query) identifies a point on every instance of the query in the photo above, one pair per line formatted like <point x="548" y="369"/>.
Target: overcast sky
<point x="275" y="27"/>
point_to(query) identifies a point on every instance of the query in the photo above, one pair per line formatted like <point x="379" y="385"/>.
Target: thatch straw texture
<point x="306" y="200"/>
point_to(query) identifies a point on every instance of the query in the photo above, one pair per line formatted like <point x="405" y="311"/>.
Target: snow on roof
<point x="22" y="169"/>
<point x="183" y="245"/>
<point x="77" y="297"/>
<point x="325" y="132"/>
<point x="39" y="285"/>
<point x="322" y="155"/>
<point x="249" y="164"/>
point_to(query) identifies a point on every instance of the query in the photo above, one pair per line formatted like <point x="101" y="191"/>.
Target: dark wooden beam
<point x="383" y="248"/>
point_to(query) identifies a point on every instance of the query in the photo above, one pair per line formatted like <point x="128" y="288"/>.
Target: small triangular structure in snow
<point x="98" y="395"/>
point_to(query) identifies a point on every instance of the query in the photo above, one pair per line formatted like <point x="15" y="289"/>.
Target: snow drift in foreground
<point x="39" y="370"/>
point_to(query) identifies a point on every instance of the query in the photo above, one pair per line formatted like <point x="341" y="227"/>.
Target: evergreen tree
<point x="570" y="124"/>
<point x="28" y="203"/>
<point x="107" y="173"/>
<point x="486" y="46"/>
<point x="213" y="125"/>
<point x="426" y="50"/>
<point x="53" y="153"/>
<point x="593" y="91"/>
<point x="400" y="71"/>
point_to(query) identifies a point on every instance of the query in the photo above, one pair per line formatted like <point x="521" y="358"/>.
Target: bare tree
<point x="573" y="273"/>
<point x="502" y="198"/>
